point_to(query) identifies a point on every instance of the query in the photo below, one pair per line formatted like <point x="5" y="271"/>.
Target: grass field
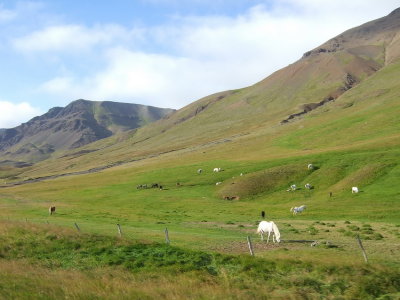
<point x="201" y="222"/>
<point x="47" y="261"/>
<point x="352" y="141"/>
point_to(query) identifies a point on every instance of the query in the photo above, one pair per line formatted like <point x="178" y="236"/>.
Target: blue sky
<point x="164" y="53"/>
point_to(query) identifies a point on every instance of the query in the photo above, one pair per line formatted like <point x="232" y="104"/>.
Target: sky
<point x="165" y="53"/>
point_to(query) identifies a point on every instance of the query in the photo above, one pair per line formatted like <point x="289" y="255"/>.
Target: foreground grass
<point x="40" y="262"/>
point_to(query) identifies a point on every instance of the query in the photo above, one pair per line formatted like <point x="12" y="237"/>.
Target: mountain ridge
<point x="79" y="123"/>
<point x="320" y="84"/>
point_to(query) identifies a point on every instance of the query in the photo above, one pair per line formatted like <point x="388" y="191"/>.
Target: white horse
<point x="308" y="186"/>
<point x="354" y="189"/>
<point x="269" y="227"/>
<point x="217" y="170"/>
<point x="297" y="210"/>
<point x="310" y="167"/>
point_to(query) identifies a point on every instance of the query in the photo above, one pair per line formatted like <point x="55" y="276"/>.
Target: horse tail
<point x="276" y="232"/>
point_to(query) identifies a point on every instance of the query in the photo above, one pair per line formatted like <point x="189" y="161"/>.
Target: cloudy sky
<point x="164" y="53"/>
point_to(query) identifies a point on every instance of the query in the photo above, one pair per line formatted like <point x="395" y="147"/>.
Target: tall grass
<point x="73" y="259"/>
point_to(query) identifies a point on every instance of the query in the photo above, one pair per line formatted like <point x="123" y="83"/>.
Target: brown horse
<point x="52" y="209"/>
<point x="231" y="197"/>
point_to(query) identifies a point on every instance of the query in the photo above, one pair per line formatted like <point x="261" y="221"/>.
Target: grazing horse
<point x="297" y="210"/>
<point x="308" y="186"/>
<point x="199" y="171"/>
<point x="231" y="198"/>
<point x="269" y="227"/>
<point x="310" y="167"/>
<point x="52" y="209"/>
<point x="354" y="189"/>
<point x="217" y="170"/>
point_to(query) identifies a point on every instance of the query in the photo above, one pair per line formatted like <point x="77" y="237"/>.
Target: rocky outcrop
<point x="348" y="82"/>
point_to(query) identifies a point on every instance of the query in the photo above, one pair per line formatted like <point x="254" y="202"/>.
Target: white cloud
<point x="58" y="84"/>
<point x="6" y="14"/>
<point x="204" y="54"/>
<point x="13" y="114"/>
<point x="71" y="38"/>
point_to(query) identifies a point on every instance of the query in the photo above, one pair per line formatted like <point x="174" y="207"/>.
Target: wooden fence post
<point x="362" y="248"/>
<point x="250" y="245"/>
<point x="119" y="230"/>
<point x="77" y="227"/>
<point x="166" y="236"/>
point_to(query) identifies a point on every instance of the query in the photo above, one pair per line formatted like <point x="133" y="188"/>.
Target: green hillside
<point x="352" y="139"/>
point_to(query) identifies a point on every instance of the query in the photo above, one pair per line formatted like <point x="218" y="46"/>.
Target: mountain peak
<point x="396" y="12"/>
<point x="79" y="123"/>
<point x="381" y="31"/>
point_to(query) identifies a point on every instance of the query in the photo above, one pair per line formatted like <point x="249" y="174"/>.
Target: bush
<point x="377" y="236"/>
<point x="353" y="227"/>
<point x="312" y="230"/>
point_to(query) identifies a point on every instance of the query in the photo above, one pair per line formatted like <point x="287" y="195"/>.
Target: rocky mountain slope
<point x="79" y="123"/>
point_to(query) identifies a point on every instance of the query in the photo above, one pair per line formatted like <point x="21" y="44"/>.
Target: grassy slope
<point x="353" y="141"/>
<point x="148" y="271"/>
<point x="255" y="112"/>
<point x="326" y="137"/>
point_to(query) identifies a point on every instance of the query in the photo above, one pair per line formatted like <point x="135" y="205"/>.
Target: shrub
<point x="353" y="227"/>
<point x="377" y="236"/>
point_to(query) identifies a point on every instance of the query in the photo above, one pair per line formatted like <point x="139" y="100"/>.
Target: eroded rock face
<point x="348" y="82"/>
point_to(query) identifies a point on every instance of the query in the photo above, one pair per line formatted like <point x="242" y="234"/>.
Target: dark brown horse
<point x="231" y="197"/>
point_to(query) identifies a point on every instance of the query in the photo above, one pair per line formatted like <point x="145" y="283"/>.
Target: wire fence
<point x="249" y="243"/>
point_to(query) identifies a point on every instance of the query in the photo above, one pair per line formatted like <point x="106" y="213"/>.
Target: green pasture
<point x="353" y="141"/>
<point x="192" y="207"/>
<point x="83" y="266"/>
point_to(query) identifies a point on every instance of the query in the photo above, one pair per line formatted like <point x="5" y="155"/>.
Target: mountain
<point x="337" y="108"/>
<point x="79" y="123"/>
<point x="347" y="85"/>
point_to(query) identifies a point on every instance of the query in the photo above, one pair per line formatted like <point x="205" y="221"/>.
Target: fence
<point x="128" y="233"/>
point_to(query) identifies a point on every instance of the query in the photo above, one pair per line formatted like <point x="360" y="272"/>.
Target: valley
<point x="353" y="140"/>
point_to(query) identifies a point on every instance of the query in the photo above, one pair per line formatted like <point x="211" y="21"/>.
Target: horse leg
<point x="262" y="236"/>
<point x="268" y="236"/>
